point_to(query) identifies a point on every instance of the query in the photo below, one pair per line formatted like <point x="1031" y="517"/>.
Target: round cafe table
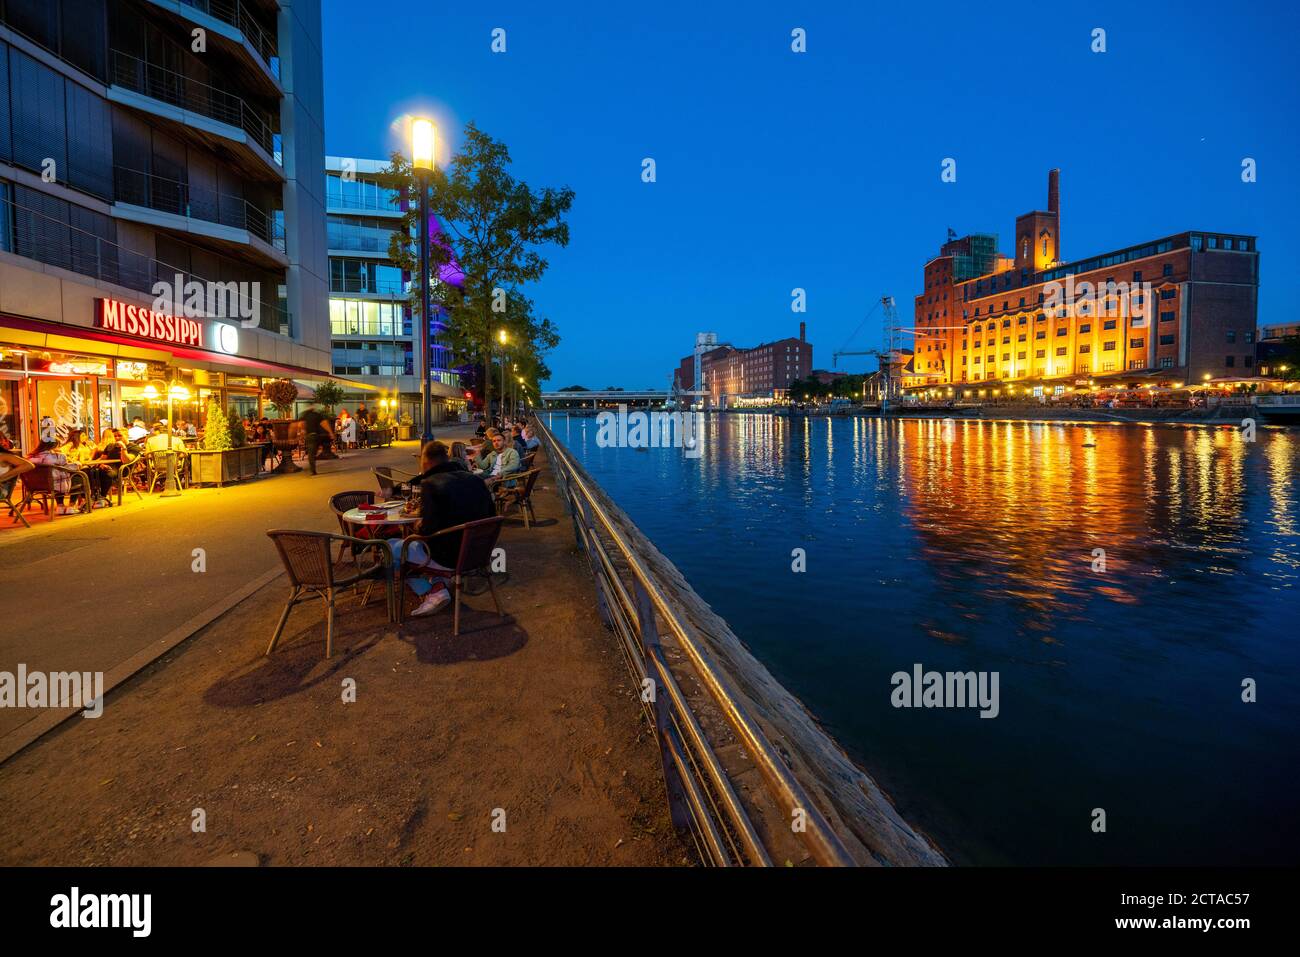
<point x="396" y="517"/>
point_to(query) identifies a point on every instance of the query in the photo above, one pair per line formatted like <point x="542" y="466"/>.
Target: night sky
<point x="821" y="170"/>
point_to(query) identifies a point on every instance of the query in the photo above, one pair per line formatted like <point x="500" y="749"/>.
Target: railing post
<point x="649" y="632"/>
<point x="586" y="530"/>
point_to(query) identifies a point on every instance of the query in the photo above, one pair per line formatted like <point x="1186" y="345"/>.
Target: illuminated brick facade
<point x="1179" y="309"/>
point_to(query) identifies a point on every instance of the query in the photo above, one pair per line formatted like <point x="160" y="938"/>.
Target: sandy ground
<point x="516" y="743"/>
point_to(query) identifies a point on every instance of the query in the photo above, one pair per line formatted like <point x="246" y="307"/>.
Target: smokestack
<point x="1054" y="191"/>
<point x="803" y="329"/>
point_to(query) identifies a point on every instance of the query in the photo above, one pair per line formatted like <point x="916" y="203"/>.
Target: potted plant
<point x="405" y="426"/>
<point x="282" y="394"/>
<point x="222" y="459"/>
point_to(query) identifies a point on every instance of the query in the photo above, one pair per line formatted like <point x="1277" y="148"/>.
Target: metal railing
<point x="34" y="235"/>
<point x="196" y="202"/>
<point x="236" y="14"/>
<point x="176" y="89"/>
<point x="633" y="603"/>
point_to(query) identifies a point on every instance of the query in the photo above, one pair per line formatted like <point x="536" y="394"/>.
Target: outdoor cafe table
<point x="396" y="522"/>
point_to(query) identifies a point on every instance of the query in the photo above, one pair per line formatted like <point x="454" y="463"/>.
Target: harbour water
<point x="1123" y="581"/>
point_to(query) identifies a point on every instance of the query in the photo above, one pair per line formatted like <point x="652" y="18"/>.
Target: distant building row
<point x="734" y="377"/>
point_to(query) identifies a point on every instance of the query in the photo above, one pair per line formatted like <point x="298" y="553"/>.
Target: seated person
<point x="460" y="453"/>
<point x="137" y="432"/>
<point x="517" y="440"/>
<point x="501" y="461"/>
<point x="76" y="450"/>
<point x="12" y="465"/>
<point x="449" y="496"/>
<point x="531" y="442"/>
<point x="47" y="453"/>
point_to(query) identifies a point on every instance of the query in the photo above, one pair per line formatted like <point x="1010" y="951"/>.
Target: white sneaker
<point x="434" y="601"/>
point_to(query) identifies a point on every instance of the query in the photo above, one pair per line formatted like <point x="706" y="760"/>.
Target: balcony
<point x="235" y="13"/>
<point x="54" y="242"/>
<point x="233" y="118"/>
<point x="198" y="207"/>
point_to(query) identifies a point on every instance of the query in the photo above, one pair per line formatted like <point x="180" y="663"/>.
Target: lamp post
<point x="502" y="338"/>
<point x="422" y="143"/>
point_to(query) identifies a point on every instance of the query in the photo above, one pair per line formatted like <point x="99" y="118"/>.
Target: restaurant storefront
<point x="55" y="378"/>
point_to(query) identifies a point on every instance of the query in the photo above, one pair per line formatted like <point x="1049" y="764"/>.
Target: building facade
<point x="158" y="152"/>
<point x="374" y="336"/>
<point x="1173" y="311"/>
<point x="761" y="374"/>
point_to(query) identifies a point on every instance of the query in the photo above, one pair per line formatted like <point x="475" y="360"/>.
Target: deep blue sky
<point x="821" y="170"/>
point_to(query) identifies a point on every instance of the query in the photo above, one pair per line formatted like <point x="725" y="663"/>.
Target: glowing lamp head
<point x="501" y="336"/>
<point x="423" y="134"/>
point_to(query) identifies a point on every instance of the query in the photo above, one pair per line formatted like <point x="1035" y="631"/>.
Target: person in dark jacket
<point x="449" y="496"/>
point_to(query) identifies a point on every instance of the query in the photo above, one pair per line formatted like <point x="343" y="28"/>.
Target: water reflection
<point x="975" y="545"/>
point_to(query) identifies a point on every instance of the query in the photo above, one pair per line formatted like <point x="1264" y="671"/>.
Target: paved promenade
<point x="516" y="743"/>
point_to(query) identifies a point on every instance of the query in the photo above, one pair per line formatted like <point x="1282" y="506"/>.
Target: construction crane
<point x="886" y="355"/>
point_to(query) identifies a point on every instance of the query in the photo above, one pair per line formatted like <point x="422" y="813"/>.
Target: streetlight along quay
<point x="422" y="144"/>
<point x="501" y="337"/>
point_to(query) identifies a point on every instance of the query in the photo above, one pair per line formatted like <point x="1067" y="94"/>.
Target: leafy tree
<point x="238" y="438"/>
<point x="328" y="394"/>
<point x="282" y="394"/>
<point x="495" y="228"/>
<point x="216" y="434"/>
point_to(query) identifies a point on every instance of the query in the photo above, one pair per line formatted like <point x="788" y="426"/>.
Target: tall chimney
<point x="803" y="329"/>
<point x="1054" y="191"/>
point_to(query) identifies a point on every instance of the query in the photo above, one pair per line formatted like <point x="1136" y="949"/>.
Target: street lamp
<point x="423" y="134"/>
<point x="503" y="339"/>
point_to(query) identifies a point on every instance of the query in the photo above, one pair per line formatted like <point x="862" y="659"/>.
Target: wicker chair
<point x="307" y="562"/>
<point x="520" y="496"/>
<point x="389" y="479"/>
<point x="342" y="502"/>
<point x="477" y="541"/>
<point x="39" y="484"/>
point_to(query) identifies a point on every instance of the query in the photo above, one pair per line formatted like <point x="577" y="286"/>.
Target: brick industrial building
<point x="1180" y="309"/>
<point x="734" y="376"/>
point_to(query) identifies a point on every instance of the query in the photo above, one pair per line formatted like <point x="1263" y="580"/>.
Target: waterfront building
<point x="1172" y="311"/>
<point x="374" y="338"/>
<point x="755" y="376"/>
<point x="146" y="147"/>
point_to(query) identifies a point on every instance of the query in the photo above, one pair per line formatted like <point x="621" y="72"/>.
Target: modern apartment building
<point x="374" y="339"/>
<point x="1172" y="311"/>
<point x="733" y="376"/>
<point x="158" y="148"/>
